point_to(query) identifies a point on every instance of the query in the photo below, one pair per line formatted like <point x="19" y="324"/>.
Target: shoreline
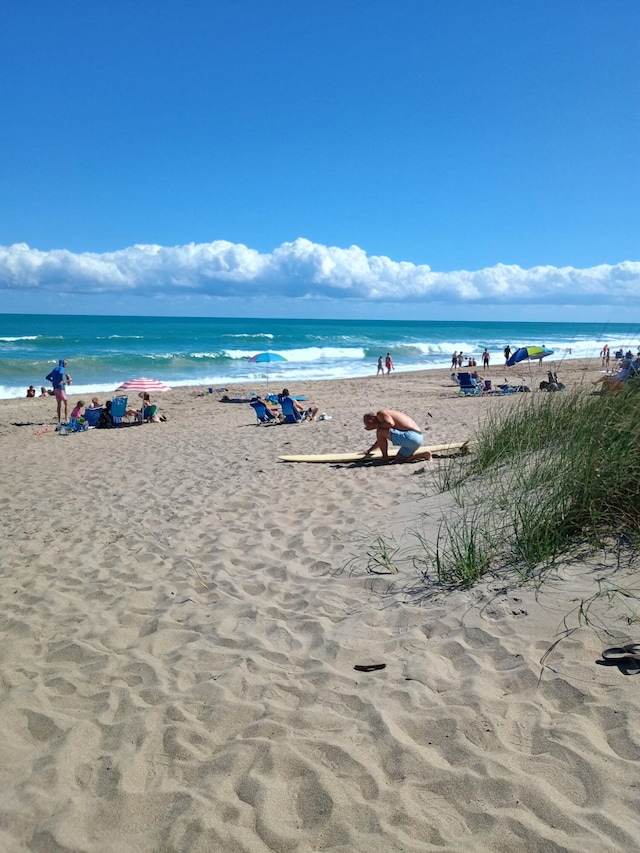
<point x="508" y="373"/>
<point x="182" y="614"/>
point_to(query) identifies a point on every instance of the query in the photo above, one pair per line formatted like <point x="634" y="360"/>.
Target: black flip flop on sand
<point x="372" y="667"/>
<point x="632" y="650"/>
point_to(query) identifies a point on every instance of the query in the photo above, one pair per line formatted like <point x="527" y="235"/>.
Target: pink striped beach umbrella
<point x="150" y="386"/>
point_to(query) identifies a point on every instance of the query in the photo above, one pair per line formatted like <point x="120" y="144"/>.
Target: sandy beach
<point x="181" y="614"/>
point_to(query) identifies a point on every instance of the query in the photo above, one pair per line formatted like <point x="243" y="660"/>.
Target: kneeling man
<point x="397" y="428"/>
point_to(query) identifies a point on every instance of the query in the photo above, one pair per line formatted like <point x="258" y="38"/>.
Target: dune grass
<point x="557" y="471"/>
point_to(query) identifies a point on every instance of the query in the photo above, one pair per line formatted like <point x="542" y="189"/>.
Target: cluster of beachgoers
<point x="206" y="648"/>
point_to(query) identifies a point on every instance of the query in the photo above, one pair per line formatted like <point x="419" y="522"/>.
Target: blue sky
<point x="354" y="158"/>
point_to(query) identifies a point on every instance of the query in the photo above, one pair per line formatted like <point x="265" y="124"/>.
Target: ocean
<point x="104" y="351"/>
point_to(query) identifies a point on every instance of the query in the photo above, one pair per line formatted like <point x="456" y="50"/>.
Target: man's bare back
<point x="399" y="420"/>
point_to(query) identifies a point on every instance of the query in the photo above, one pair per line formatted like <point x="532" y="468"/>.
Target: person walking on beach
<point x="380" y="367"/>
<point x="454" y="360"/>
<point x="388" y="364"/>
<point x="395" y="427"/>
<point x="485" y="358"/>
<point x="507" y="353"/>
<point x="59" y="378"/>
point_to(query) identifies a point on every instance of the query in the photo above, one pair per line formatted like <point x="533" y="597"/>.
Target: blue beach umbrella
<point x="532" y="353"/>
<point x="266" y="358"/>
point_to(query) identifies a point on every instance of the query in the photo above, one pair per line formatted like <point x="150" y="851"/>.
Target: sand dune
<point x="181" y="617"/>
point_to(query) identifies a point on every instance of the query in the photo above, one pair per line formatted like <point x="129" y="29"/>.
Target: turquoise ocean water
<point x="103" y="351"/>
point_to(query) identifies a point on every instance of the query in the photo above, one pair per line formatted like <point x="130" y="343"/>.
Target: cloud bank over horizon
<point x="303" y="270"/>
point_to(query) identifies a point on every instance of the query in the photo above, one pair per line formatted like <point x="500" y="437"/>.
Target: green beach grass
<point x="557" y="472"/>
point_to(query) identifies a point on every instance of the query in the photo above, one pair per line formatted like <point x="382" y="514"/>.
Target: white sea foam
<point x="446" y="348"/>
<point x="20" y="338"/>
<point x="246" y="335"/>
<point x="11" y="393"/>
<point x="324" y="353"/>
<point x="306" y="354"/>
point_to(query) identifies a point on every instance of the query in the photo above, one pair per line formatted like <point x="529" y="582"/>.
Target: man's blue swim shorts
<point x="407" y="440"/>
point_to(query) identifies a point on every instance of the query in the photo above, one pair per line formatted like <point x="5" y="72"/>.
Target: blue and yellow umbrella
<point x="528" y="354"/>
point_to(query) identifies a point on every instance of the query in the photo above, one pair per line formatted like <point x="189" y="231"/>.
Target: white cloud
<point x="303" y="270"/>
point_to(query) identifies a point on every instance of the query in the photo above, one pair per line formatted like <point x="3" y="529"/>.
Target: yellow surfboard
<point x="376" y="455"/>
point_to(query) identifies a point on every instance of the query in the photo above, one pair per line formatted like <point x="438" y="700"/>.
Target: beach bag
<point x="77" y="425"/>
<point x="105" y="421"/>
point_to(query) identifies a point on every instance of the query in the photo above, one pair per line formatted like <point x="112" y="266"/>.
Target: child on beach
<point x="76" y="422"/>
<point x="77" y="411"/>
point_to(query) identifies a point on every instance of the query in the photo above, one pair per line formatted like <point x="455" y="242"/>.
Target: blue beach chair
<point x="119" y="409"/>
<point x="149" y="412"/>
<point x="290" y="414"/>
<point x="469" y="387"/>
<point x="92" y="415"/>
<point x="263" y="412"/>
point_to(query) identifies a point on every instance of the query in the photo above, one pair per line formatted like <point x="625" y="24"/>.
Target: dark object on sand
<point x="632" y="650"/>
<point x="507" y="388"/>
<point x="552" y="383"/>
<point x="372" y="667"/>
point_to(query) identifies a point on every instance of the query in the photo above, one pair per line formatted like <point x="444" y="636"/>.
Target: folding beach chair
<point x="469" y="387"/>
<point x="148" y="412"/>
<point x="119" y="409"/>
<point x="290" y="412"/>
<point x="263" y="412"/>
<point x="628" y="370"/>
<point x="92" y="415"/>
